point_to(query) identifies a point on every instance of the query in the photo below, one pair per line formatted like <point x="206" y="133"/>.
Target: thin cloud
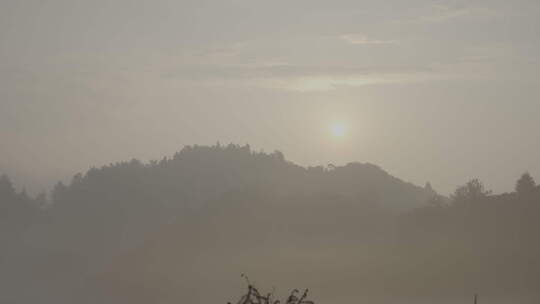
<point x="445" y="13"/>
<point x="362" y="39"/>
<point x="202" y="72"/>
<point x="298" y="77"/>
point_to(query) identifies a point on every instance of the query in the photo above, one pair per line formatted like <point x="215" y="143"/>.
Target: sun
<point x="338" y="129"/>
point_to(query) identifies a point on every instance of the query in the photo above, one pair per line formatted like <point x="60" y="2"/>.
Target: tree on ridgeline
<point x="13" y="203"/>
<point x="7" y="191"/>
<point x="526" y="184"/>
<point x="17" y="210"/>
<point x="472" y="191"/>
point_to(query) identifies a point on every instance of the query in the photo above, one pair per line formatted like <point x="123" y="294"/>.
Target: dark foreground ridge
<point x="169" y="231"/>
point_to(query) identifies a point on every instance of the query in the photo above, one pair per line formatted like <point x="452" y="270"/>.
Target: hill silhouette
<point x="198" y="174"/>
<point x="173" y="230"/>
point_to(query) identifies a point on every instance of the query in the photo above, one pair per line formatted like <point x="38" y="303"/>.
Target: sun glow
<point x="338" y="129"/>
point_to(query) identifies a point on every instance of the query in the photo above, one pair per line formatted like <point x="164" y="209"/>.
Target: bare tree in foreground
<point x="253" y="296"/>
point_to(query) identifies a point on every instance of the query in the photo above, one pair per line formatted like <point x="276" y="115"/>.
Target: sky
<point x="439" y="91"/>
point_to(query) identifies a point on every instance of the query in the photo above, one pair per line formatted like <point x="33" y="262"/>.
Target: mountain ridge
<point x="201" y="173"/>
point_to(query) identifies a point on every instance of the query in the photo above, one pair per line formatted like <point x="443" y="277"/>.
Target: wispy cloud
<point x="297" y="77"/>
<point x="201" y="72"/>
<point x="444" y="13"/>
<point x="363" y="39"/>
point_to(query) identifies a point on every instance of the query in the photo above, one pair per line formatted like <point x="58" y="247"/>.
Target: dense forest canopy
<point x="166" y="231"/>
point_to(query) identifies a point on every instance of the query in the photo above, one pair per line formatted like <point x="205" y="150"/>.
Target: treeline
<point x="18" y="210"/>
<point x="134" y="232"/>
<point x="477" y="240"/>
<point x="475" y="215"/>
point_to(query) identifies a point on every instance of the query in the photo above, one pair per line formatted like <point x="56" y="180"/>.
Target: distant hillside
<point x="199" y="174"/>
<point x="109" y="223"/>
<point x="131" y="199"/>
<point x="210" y="185"/>
<point x="182" y="228"/>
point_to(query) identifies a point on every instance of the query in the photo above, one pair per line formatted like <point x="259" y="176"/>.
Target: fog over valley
<point x="269" y="152"/>
<point x="184" y="228"/>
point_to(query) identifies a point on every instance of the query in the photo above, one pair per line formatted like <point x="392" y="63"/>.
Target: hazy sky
<point x="430" y="90"/>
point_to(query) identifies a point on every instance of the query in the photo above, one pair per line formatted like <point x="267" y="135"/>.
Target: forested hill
<point x="202" y="200"/>
<point x="196" y="175"/>
<point x="169" y="231"/>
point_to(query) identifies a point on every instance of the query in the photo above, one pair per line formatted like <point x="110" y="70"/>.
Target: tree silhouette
<point x="473" y="190"/>
<point x="7" y="191"/>
<point x="526" y="184"/>
<point x="253" y="296"/>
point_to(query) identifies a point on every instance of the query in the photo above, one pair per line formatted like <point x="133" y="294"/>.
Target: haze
<point x="430" y="90"/>
<point x="372" y="151"/>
